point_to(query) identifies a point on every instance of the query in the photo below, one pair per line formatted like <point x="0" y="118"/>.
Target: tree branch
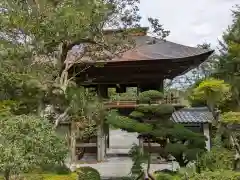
<point x="61" y="117"/>
<point x="67" y="47"/>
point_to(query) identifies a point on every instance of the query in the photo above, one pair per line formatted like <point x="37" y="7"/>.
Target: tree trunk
<point x="211" y="107"/>
<point x="7" y="174"/>
<point x="148" y="175"/>
<point x="140" y="176"/>
<point x="180" y="160"/>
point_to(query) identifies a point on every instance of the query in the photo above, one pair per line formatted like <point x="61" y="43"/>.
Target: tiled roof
<point x="149" y="48"/>
<point x="192" y="115"/>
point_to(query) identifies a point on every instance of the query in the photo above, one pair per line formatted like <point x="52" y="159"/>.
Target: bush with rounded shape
<point x="28" y="141"/>
<point x="150" y="95"/>
<point x="90" y="173"/>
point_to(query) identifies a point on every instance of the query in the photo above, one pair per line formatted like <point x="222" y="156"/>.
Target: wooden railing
<point x="172" y="99"/>
<point x="168" y="99"/>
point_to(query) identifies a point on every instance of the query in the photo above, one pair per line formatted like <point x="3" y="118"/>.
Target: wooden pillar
<point x="106" y="132"/>
<point x="100" y="143"/>
<point x="101" y="137"/>
<point x="73" y="142"/>
<point x="206" y="132"/>
<point x="102" y="91"/>
<point x="141" y="144"/>
<point x="108" y="136"/>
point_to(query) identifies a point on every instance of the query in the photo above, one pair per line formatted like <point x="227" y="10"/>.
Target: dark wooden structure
<point x="145" y="67"/>
<point x="151" y="61"/>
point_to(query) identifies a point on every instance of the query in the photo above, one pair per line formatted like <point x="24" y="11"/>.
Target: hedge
<point x="166" y="176"/>
<point x="216" y="175"/>
<point x="72" y="176"/>
<point x="83" y="173"/>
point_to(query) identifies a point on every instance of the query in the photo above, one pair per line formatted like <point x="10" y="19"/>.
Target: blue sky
<point x="191" y="22"/>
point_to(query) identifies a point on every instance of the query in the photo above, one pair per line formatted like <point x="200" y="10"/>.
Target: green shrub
<point x="147" y="96"/>
<point x="55" y="169"/>
<point x="217" y="175"/>
<point x="90" y="173"/>
<point x="126" y="178"/>
<point x="72" y="176"/>
<point x="217" y="159"/>
<point x="166" y="176"/>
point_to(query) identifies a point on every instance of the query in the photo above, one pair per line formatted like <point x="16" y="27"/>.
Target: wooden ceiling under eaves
<point x="152" y="60"/>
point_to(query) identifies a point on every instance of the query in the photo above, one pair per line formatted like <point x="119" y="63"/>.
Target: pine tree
<point x="152" y="120"/>
<point x="228" y="67"/>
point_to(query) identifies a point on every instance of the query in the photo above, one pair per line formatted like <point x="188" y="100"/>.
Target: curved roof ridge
<point x="184" y="45"/>
<point x="151" y="48"/>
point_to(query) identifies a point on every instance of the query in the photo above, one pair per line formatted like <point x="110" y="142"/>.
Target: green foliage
<point x="153" y="120"/>
<point x="195" y="101"/>
<point x="44" y="40"/>
<point x="85" y="107"/>
<point x="216" y="175"/>
<point x="88" y="173"/>
<point x="54" y="168"/>
<point x="212" y="91"/>
<point x="136" y="115"/>
<point x="230" y="118"/>
<point x="228" y="61"/>
<point x="217" y="159"/>
<point x="151" y="95"/>
<point x="126" y="123"/>
<point x="51" y="176"/>
<point x="28" y="142"/>
<point x="24" y="89"/>
<point x="130" y="95"/>
<point x="165" y="176"/>
<point x="72" y="176"/>
<point x="138" y="158"/>
<point x="156" y="110"/>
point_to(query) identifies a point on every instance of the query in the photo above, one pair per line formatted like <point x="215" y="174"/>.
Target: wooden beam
<point x="144" y="69"/>
<point x="100" y="143"/>
<point x="126" y="80"/>
<point x="112" y="64"/>
<point x="73" y="143"/>
<point x="128" y="77"/>
<point x="86" y="144"/>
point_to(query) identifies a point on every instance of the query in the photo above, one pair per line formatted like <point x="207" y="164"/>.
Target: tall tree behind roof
<point x="35" y="33"/>
<point x="228" y="67"/>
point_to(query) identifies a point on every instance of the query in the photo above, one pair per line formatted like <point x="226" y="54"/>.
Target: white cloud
<point x="203" y="29"/>
<point x="191" y="22"/>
